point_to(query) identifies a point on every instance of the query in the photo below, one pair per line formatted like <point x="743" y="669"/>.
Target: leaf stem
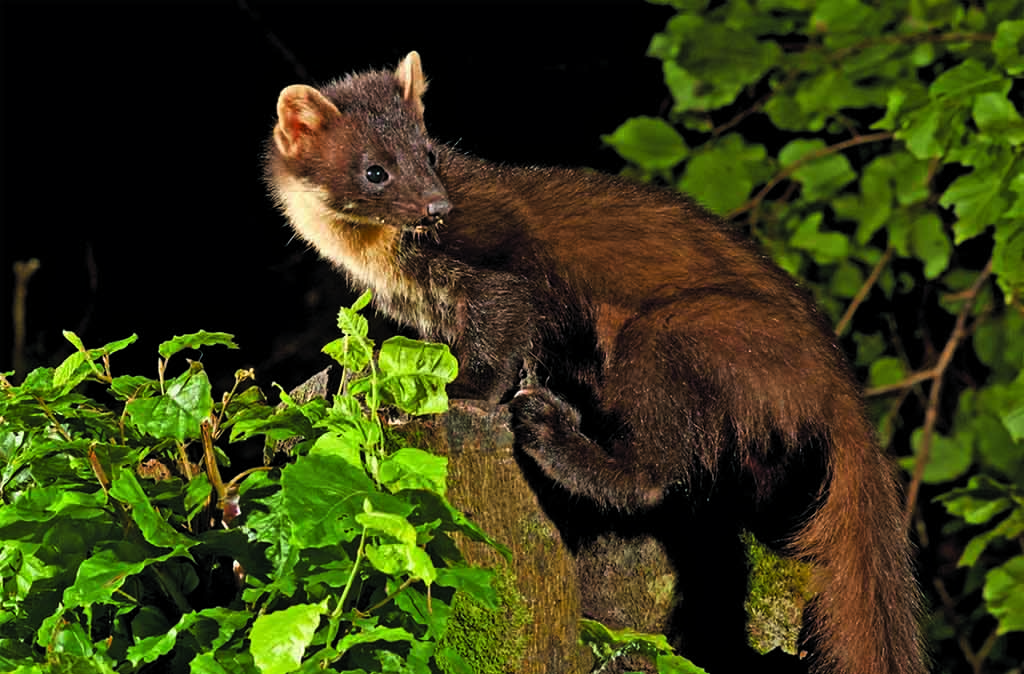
<point x="360" y="552"/>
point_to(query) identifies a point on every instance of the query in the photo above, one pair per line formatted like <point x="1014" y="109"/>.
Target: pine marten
<point x="640" y="343"/>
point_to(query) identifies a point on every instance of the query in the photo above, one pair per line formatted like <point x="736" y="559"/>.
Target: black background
<point x="132" y="135"/>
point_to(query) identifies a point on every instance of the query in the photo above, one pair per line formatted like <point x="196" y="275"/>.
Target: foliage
<point x="875" y="152"/>
<point x="124" y="550"/>
<point x="608" y="645"/>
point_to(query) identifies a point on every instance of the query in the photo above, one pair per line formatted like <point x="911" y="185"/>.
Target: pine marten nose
<point x="438" y="207"/>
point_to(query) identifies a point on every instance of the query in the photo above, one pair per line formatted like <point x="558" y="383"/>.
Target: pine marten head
<point x="355" y="155"/>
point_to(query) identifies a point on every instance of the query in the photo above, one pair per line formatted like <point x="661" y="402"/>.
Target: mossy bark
<point x="623" y="582"/>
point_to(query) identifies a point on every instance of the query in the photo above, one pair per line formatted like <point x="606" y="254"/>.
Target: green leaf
<point x="824" y="247"/>
<point x="126" y="488"/>
<point x="228" y="622"/>
<point x="821" y="176"/>
<point x="178" y="413"/>
<point x="105" y="572"/>
<point x="979" y="197"/>
<point x="387" y="524"/>
<point x="649" y="142"/>
<point x="415" y="374"/>
<point x="1008" y="46"/>
<point x="1007" y="255"/>
<point x="961" y="82"/>
<point x="476" y="582"/>
<point x="132" y="386"/>
<point x="948" y="459"/>
<point x="411" y="468"/>
<point x="354" y="349"/>
<point x="195" y="340"/>
<point x="322" y="494"/>
<point x="846" y="281"/>
<point x="279" y="639"/>
<point x="707" y="63"/>
<point x="77" y="367"/>
<point x="43" y="504"/>
<point x="886" y="370"/>
<point x="1004" y="595"/>
<point x="369" y="635"/>
<point x="396" y="559"/>
<point x="1013" y="420"/>
<point x="722" y="175"/>
<point x="930" y="244"/>
<point x="997" y="341"/>
<point x="996" y="116"/>
<point x="608" y="643"/>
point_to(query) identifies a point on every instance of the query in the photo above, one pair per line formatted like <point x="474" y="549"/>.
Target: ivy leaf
<point x="648" y="142"/>
<point x="279" y="639"/>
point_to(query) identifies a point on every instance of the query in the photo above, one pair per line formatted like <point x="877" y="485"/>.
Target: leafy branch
<point x="790" y="169"/>
<point x="885" y="237"/>
<point x="327" y="555"/>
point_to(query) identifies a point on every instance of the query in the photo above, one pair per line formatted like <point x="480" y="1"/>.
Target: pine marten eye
<point x="376" y="174"/>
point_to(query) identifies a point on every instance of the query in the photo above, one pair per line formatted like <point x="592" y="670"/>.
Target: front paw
<point x="541" y="420"/>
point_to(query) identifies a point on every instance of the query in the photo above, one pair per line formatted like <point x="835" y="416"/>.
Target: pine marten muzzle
<point x="641" y="344"/>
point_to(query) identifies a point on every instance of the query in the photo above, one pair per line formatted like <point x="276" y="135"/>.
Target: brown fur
<point x="645" y="343"/>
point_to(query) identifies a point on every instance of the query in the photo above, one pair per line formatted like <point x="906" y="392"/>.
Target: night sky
<point x="132" y="135"/>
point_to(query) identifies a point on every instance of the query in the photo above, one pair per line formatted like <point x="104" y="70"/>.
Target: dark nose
<point x="438" y="207"/>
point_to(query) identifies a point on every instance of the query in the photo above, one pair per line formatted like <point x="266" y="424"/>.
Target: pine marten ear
<point x="409" y="74"/>
<point x="302" y="113"/>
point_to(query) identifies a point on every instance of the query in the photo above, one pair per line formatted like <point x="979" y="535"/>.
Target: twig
<point x="23" y="271"/>
<point x="932" y="413"/>
<point x="863" y="292"/>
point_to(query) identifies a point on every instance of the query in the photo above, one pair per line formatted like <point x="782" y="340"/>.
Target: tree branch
<point x="862" y="293"/>
<point x="937" y="373"/>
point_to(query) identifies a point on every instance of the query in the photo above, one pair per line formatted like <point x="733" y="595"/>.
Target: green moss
<point x="777" y="591"/>
<point x="487" y="641"/>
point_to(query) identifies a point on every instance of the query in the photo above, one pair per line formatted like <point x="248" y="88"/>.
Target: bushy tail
<point x="866" y="615"/>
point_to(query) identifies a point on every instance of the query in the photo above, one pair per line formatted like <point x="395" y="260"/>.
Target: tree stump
<point x="621" y="581"/>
